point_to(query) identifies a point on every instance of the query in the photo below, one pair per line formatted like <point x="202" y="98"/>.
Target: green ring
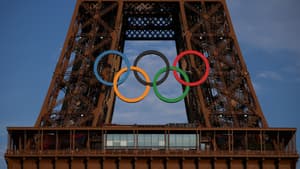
<point x="171" y="100"/>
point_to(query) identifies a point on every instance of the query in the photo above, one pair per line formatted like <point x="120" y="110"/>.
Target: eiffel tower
<point x="226" y="127"/>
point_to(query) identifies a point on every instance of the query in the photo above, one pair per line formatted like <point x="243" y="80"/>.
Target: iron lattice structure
<point x="75" y="98"/>
<point x="224" y="115"/>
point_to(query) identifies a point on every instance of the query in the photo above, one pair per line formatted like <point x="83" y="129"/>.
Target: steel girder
<point x="227" y="98"/>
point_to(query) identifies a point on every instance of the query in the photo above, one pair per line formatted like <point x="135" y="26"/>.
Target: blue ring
<point x="123" y="78"/>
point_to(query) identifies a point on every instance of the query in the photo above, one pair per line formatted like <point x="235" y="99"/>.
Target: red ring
<point x="178" y="57"/>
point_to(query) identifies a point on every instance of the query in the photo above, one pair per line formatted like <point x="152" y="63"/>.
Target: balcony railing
<point x="154" y="141"/>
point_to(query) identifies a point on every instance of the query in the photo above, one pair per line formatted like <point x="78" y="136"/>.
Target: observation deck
<point x="141" y="146"/>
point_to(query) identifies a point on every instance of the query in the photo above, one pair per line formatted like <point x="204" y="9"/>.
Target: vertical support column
<point x="56" y="141"/>
<point x="261" y="141"/>
<point x="187" y="37"/>
<point x="115" y="62"/>
<point x="244" y="67"/>
<point x="106" y="102"/>
<point x="62" y="63"/>
<point x="72" y="140"/>
<point x="24" y="141"/>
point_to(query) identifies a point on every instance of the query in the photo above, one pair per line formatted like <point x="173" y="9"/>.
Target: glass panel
<point x="178" y="141"/>
<point x="119" y="141"/>
<point x="151" y="141"/>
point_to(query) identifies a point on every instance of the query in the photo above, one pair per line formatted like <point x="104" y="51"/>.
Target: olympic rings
<point x="122" y="79"/>
<point x="206" y="68"/>
<point x="173" y="100"/>
<point x="146" y="82"/>
<point x="131" y="100"/>
<point x="148" y="52"/>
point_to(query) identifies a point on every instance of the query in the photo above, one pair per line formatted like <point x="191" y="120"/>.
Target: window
<point x="119" y="141"/>
<point x="151" y="141"/>
<point x="182" y="141"/>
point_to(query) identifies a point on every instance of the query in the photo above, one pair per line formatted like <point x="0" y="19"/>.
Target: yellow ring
<point x="131" y="100"/>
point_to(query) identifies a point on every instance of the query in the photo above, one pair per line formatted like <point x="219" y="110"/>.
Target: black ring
<point x="149" y="52"/>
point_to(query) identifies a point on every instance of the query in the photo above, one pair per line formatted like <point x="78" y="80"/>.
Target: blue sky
<point x="150" y="110"/>
<point x="33" y="32"/>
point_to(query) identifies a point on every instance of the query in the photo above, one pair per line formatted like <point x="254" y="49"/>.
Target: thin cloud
<point x="158" y="115"/>
<point x="270" y="25"/>
<point x="292" y="69"/>
<point x="151" y="110"/>
<point x="257" y="87"/>
<point x="271" y="75"/>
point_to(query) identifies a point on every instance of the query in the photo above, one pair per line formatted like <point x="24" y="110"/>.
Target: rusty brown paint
<point x="224" y="113"/>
